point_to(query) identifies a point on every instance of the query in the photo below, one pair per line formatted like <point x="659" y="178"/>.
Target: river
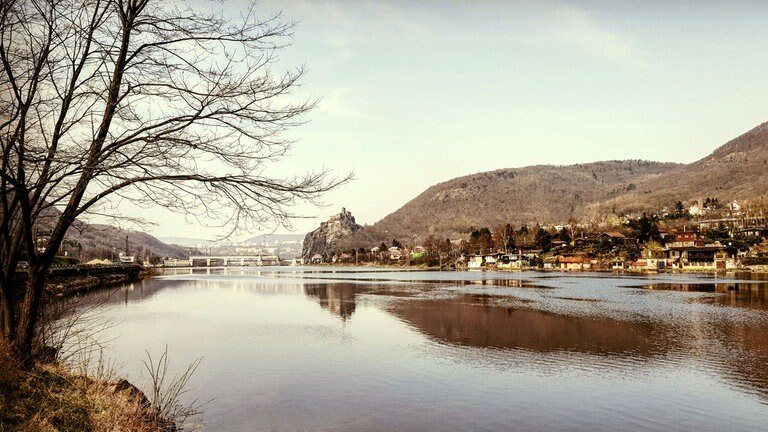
<point x="355" y="349"/>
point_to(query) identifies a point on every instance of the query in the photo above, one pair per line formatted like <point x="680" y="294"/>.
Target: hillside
<point x="736" y="170"/>
<point x="103" y="241"/>
<point x="88" y="241"/>
<point x="556" y="194"/>
<point x="542" y="193"/>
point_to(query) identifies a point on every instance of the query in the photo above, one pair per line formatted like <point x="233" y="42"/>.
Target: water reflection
<point x="475" y="321"/>
<point x="740" y="354"/>
<point x="337" y="298"/>
<point x="456" y="351"/>
<point x="746" y="295"/>
<point x="127" y="293"/>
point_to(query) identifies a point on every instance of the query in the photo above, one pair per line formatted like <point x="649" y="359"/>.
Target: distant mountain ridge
<point x="582" y="192"/>
<point x="737" y="170"/>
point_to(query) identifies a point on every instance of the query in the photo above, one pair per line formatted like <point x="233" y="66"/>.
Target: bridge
<point x="234" y="260"/>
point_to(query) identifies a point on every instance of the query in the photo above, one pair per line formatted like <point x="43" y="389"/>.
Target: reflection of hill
<point x="339" y="298"/>
<point x="467" y="321"/>
<point x="737" y="352"/>
<point x="741" y="350"/>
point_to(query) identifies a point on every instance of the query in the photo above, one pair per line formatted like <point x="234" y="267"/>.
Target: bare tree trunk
<point x="7" y="311"/>
<point x="28" y="313"/>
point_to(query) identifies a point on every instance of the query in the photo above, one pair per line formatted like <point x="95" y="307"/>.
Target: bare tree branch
<point x="142" y="100"/>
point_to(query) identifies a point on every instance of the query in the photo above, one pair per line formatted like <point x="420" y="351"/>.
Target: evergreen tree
<point x="646" y="229"/>
<point x="543" y="240"/>
<point x="720" y="233"/>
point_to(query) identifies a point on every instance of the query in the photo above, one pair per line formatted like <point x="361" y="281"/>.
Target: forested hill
<point x="737" y="170"/>
<point x="557" y="194"/>
<point x="88" y="241"/>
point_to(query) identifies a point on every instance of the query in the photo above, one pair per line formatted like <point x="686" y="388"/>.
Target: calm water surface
<point x="316" y="349"/>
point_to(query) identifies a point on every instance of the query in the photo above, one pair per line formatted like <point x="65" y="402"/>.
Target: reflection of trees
<point x="513" y="283"/>
<point x="339" y="298"/>
<point x="124" y="293"/>
<point x="752" y="296"/>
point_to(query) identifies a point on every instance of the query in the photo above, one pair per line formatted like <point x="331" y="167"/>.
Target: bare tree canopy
<point x="147" y="101"/>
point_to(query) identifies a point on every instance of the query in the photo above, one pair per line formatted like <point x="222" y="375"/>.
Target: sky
<point x="413" y="93"/>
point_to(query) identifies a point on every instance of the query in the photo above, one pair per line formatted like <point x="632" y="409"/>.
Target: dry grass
<point x="166" y="392"/>
<point x="73" y="388"/>
<point x="118" y="410"/>
<point x="50" y="398"/>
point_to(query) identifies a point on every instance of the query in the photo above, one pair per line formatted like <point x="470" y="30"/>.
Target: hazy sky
<point x="418" y="92"/>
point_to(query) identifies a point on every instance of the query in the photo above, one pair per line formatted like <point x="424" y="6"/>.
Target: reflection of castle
<point x="337" y="298"/>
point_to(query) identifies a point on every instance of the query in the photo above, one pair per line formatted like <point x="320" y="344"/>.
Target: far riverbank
<point x="753" y="269"/>
<point x="72" y="280"/>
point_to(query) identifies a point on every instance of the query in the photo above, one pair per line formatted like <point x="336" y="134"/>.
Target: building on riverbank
<point x="699" y="258"/>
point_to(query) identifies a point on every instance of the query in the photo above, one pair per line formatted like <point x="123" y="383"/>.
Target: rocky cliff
<point x="324" y="239"/>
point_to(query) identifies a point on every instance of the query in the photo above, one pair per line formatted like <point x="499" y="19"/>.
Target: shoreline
<point x="756" y="269"/>
<point x="71" y="281"/>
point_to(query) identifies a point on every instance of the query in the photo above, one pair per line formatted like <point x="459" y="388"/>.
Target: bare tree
<point x="503" y="238"/>
<point x="140" y="100"/>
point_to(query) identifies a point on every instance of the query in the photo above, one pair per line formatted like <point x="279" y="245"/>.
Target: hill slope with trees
<point x="550" y="194"/>
<point x="105" y="242"/>
<point x="737" y="170"/>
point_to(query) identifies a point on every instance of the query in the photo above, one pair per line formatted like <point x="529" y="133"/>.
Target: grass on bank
<point x="51" y="398"/>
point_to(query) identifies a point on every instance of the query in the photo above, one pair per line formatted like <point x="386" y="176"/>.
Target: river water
<point x="351" y="349"/>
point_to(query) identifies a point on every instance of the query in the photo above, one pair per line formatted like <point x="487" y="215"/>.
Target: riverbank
<point x="51" y="398"/>
<point x="753" y="269"/>
<point x="76" y="280"/>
